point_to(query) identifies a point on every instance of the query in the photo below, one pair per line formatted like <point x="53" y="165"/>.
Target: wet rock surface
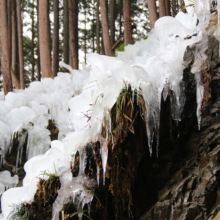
<point x="188" y="169"/>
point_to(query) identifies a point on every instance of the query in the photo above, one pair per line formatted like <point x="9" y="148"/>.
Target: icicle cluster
<point x="74" y="189"/>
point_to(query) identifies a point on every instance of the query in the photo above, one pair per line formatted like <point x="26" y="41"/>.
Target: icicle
<point x="98" y="171"/>
<point x="104" y="155"/>
<point x="73" y="159"/>
<point x="82" y="162"/>
<point x="132" y="91"/>
<point x="89" y="208"/>
<point x="165" y="92"/>
<point x="17" y="158"/>
<point x="199" y="98"/>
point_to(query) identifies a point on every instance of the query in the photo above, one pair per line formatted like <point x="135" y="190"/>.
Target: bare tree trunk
<point x="7" y="83"/>
<point x="32" y="44"/>
<point x="127" y="22"/>
<point x="152" y="12"/>
<point x="167" y="6"/>
<point x="174" y="8"/>
<point x="93" y="27"/>
<point x="65" y="32"/>
<point x="44" y="39"/>
<point x="105" y="30"/>
<point x="162" y="8"/>
<point x="9" y="13"/>
<point x="56" y="37"/>
<point x="75" y="27"/>
<point x="112" y="21"/>
<point x="38" y="45"/>
<point x="73" y="40"/>
<point x="102" y="47"/>
<point x="120" y="17"/>
<point x="49" y="30"/>
<point x="97" y="28"/>
<point x="14" y="73"/>
<point x="20" y="44"/>
<point x="85" y="48"/>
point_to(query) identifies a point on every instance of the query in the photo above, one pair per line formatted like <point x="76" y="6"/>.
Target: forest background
<point x="37" y="34"/>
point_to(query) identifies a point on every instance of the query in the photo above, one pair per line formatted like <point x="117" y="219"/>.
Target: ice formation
<point x="7" y="181"/>
<point x="80" y="102"/>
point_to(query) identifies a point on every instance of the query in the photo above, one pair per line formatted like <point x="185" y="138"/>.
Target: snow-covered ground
<point x="152" y="67"/>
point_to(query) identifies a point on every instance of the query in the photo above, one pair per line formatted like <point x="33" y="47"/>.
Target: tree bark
<point x="112" y="21"/>
<point x="97" y="28"/>
<point x="44" y="39"/>
<point x="49" y="30"/>
<point x="38" y="45"/>
<point x="85" y="18"/>
<point x="72" y="28"/>
<point x="127" y="22"/>
<point x="56" y="37"/>
<point x="32" y="44"/>
<point x="65" y="32"/>
<point x="93" y="27"/>
<point x="9" y="13"/>
<point x="20" y="45"/>
<point x="120" y="17"/>
<point x="152" y="12"/>
<point x="14" y="72"/>
<point x="174" y="8"/>
<point x="75" y="27"/>
<point x="105" y="30"/>
<point x="7" y="83"/>
<point x="167" y="6"/>
<point x="162" y="8"/>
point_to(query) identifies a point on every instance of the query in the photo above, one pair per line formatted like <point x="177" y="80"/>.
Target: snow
<point x="79" y="102"/>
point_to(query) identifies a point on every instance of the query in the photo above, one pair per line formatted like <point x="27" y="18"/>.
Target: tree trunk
<point x="32" y="44"/>
<point x="167" y="6"/>
<point x="174" y="8"/>
<point x="72" y="27"/>
<point x="85" y="47"/>
<point x="7" y="83"/>
<point x="112" y="21"/>
<point x="65" y="32"/>
<point x="75" y="27"/>
<point x="162" y="8"/>
<point x="14" y="72"/>
<point x="97" y="28"/>
<point x="56" y="37"/>
<point x="152" y="12"/>
<point x="9" y="13"/>
<point x="20" y="44"/>
<point x="120" y="17"/>
<point x="127" y="22"/>
<point x="49" y="30"/>
<point x="44" y="39"/>
<point x="105" y="30"/>
<point x="93" y="27"/>
<point x="38" y="45"/>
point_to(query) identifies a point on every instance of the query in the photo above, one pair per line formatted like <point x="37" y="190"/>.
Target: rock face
<point x="188" y="168"/>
